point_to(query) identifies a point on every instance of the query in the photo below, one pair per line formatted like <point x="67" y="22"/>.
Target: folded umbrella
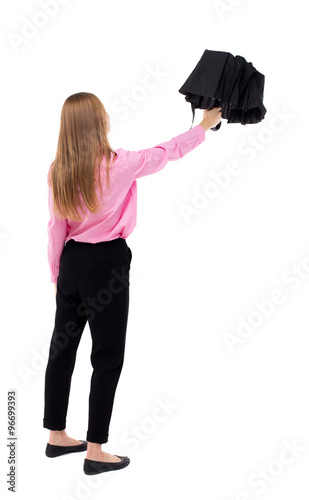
<point x="221" y="80"/>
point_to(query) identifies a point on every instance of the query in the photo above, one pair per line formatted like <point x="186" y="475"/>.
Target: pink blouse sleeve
<point x="57" y="231"/>
<point x="151" y="160"/>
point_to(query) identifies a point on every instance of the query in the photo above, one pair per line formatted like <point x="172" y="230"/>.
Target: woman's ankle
<point x="58" y="433"/>
<point x="94" y="446"/>
<point x="57" y="436"/>
<point x="94" y="449"/>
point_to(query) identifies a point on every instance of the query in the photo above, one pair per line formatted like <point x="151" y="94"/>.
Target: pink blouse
<point x="118" y="216"/>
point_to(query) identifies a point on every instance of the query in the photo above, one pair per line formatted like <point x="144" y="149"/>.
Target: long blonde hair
<point x="82" y="144"/>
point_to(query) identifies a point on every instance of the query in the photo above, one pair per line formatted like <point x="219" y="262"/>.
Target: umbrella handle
<point x="216" y="127"/>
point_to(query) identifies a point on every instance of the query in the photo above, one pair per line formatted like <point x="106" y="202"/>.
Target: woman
<point x="89" y="262"/>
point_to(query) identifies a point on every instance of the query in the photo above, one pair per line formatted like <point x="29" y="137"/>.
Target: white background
<point x="232" y="411"/>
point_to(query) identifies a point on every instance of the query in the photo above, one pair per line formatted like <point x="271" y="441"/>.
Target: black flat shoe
<point x="53" y="450"/>
<point x="96" y="467"/>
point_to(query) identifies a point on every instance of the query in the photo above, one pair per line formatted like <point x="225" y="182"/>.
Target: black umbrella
<point x="221" y="80"/>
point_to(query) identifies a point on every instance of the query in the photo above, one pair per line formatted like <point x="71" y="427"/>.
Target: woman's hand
<point x="211" y="118"/>
<point x="55" y="288"/>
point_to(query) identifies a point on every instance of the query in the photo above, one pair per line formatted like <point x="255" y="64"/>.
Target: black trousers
<point x="93" y="285"/>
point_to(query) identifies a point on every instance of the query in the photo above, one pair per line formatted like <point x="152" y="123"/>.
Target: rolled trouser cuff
<point x="97" y="438"/>
<point x="54" y="425"/>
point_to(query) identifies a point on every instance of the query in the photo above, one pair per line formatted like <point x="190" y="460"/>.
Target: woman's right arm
<point x="151" y="160"/>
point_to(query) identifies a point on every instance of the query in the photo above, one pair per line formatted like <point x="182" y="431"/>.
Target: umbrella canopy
<point x="232" y="83"/>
